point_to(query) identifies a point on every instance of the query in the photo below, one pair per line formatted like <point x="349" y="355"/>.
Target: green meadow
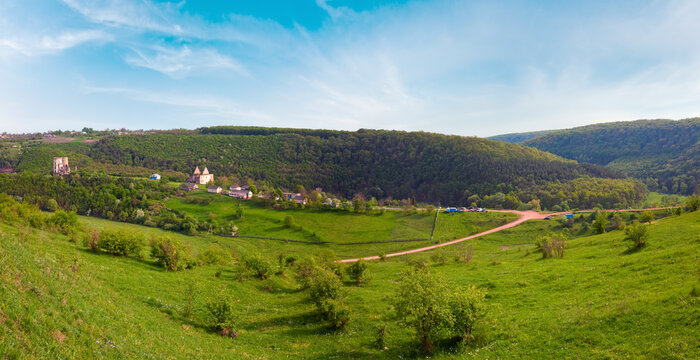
<point x="601" y="300"/>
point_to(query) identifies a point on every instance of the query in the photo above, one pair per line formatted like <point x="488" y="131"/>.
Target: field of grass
<point x="337" y="226"/>
<point x="600" y="300"/>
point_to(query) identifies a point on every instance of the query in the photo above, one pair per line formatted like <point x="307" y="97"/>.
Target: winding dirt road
<point x="524" y="216"/>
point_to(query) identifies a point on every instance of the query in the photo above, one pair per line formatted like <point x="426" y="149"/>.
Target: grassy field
<point x="600" y="300"/>
<point x="336" y="226"/>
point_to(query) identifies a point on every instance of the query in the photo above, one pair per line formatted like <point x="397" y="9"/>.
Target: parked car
<point x="548" y="217"/>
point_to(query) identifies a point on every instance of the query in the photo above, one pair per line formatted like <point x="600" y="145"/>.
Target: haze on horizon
<point x="470" y="68"/>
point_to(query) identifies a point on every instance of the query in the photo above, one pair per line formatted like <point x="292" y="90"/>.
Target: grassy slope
<point x="599" y="301"/>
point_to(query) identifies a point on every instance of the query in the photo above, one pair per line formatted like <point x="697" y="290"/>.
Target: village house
<point x="201" y="177"/>
<point x="189" y="187"/>
<point x="60" y="166"/>
<point x="296" y="197"/>
<point x="240" y="193"/>
<point x="154" y="177"/>
<point x="214" y="189"/>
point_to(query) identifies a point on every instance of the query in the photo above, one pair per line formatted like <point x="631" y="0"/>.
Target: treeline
<point x="665" y="154"/>
<point x="381" y="164"/>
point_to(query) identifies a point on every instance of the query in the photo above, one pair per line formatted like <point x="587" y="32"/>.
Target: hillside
<point x="600" y="300"/>
<point x="517" y="138"/>
<point x="422" y="166"/>
<point x="665" y="154"/>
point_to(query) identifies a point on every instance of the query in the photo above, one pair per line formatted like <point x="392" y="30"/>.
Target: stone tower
<point x="60" y="166"/>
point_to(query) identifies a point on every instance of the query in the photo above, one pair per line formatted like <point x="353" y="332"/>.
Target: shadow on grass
<point x="632" y="250"/>
<point x="145" y="263"/>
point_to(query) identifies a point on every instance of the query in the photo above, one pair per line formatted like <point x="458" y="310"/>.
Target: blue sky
<point x="458" y="67"/>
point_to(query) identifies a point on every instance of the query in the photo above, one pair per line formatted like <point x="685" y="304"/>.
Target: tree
<point x="253" y="189"/>
<point x="600" y="222"/>
<point x="358" y="271"/>
<point x="422" y="302"/>
<point x="638" y="234"/>
<point x="617" y="223"/>
<point x="647" y="217"/>
<point x="468" y="308"/>
<point x="288" y="221"/>
<point x="693" y="203"/>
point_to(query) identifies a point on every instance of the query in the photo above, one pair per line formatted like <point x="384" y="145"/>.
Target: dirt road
<point x="524" y="216"/>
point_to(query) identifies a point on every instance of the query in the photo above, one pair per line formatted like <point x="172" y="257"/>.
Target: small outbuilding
<point x="214" y="189"/>
<point x="154" y="177"/>
<point x="189" y="187"/>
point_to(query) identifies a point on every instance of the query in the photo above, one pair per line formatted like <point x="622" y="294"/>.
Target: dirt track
<point x="524" y="216"/>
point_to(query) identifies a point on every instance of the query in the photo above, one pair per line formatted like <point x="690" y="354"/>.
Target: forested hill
<point x="665" y="154"/>
<point x="424" y="166"/>
<point x="517" y="138"/>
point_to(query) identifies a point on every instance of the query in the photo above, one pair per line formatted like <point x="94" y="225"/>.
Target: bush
<point x="464" y="256"/>
<point x="65" y="222"/>
<point x="289" y="221"/>
<point x="693" y="203"/>
<point x="382" y="256"/>
<point x="551" y="246"/>
<point x="468" y="308"/>
<point x="326" y="292"/>
<point x="600" y="223"/>
<point x="421" y="302"/>
<point x="220" y="310"/>
<point x="92" y="240"/>
<point x="638" y="234"/>
<point x="261" y="267"/>
<point x="51" y="205"/>
<point x="647" y="217"/>
<point x="171" y="254"/>
<point x="336" y="312"/>
<point x="439" y="257"/>
<point x="380" y="336"/>
<point x="357" y="272"/>
<point x="215" y="255"/>
<point x="617" y="223"/>
<point x="121" y="243"/>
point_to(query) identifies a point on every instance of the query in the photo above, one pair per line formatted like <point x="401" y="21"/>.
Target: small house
<point x="240" y="194"/>
<point x="154" y="177"/>
<point x="189" y="187"/>
<point x="214" y="189"/>
<point x="296" y="197"/>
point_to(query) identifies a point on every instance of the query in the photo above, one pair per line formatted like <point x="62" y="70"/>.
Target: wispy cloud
<point x="145" y="14"/>
<point x="31" y="45"/>
<point x="179" y="62"/>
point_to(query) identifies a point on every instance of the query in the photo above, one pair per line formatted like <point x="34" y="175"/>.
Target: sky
<point x="473" y="68"/>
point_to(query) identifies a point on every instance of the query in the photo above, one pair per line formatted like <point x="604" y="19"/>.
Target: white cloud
<point x="32" y="45"/>
<point x="179" y="62"/>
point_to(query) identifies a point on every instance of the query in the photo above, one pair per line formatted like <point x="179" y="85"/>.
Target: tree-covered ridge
<point x="665" y="154"/>
<point x="517" y="138"/>
<point x="425" y="166"/>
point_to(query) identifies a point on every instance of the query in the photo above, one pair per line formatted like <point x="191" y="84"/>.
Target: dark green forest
<point x="664" y="154"/>
<point x="424" y="167"/>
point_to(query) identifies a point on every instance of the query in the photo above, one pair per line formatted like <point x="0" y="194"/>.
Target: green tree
<point x="51" y="205"/>
<point x="357" y="272"/>
<point x="422" y="303"/>
<point x="647" y="217"/>
<point x="693" y="203"/>
<point x="468" y="308"/>
<point x="288" y="221"/>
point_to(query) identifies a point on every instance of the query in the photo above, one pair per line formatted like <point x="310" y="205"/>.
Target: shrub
<point x="464" y="256"/>
<point x="382" y="256"/>
<point x="51" y="205"/>
<point x="600" y="223"/>
<point x="220" y="310"/>
<point x="326" y="292"/>
<point x="380" y="336"/>
<point x="617" y="223"/>
<point x="92" y="240"/>
<point x="289" y="221"/>
<point x="261" y="267"/>
<point x="647" y="217"/>
<point x="171" y="254"/>
<point x="358" y="272"/>
<point x="421" y="302"/>
<point x="215" y="255"/>
<point x="439" y="257"/>
<point x="551" y="246"/>
<point x="121" y="243"/>
<point x="693" y="203"/>
<point x="468" y="308"/>
<point x="65" y="222"/>
<point x="638" y="234"/>
<point x="336" y="312"/>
